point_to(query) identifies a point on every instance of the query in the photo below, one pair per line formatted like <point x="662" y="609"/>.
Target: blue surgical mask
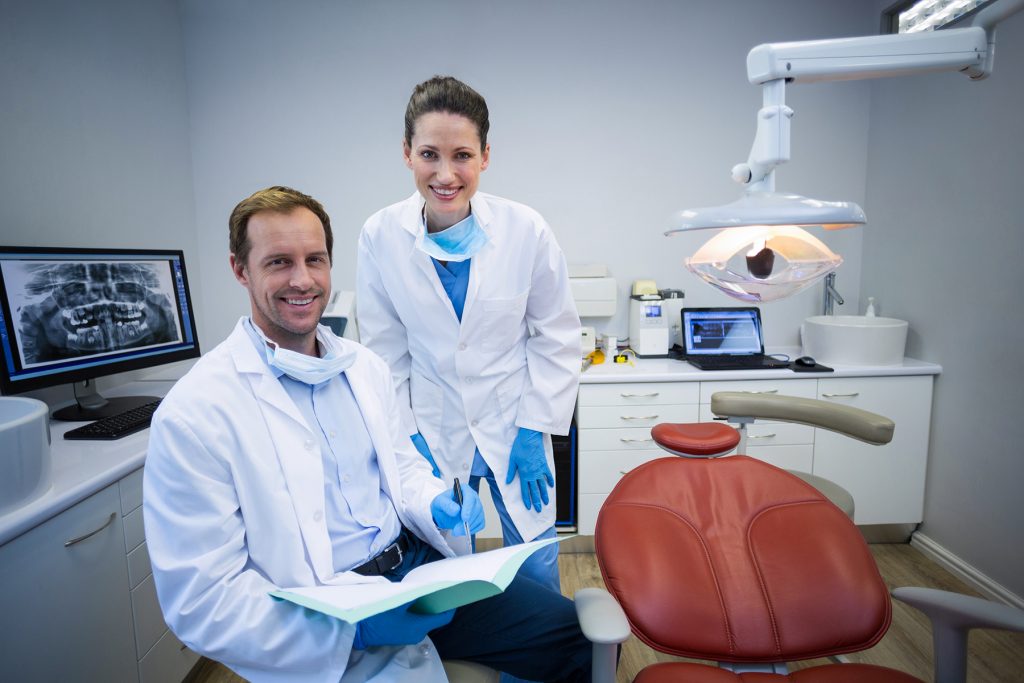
<point x="310" y="370"/>
<point x="457" y="243"/>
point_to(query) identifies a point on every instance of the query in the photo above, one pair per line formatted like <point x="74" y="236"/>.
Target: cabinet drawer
<point x="600" y="471"/>
<point x="767" y="432"/>
<point x="167" y="662"/>
<point x="134" y="531"/>
<point x="131" y="491"/>
<point x="138" y="565"/>
<point x="149" y="620"/>
<point x="630" y="438"/>
<point x="804" y="388"/>
<point x="799" y="458"/>
<point x="589" y="505"/>
<point x="638" y="393"/>
<point x="604" y="417"/>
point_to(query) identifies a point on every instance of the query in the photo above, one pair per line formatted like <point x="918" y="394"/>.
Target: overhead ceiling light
<point x="764" y="253"/>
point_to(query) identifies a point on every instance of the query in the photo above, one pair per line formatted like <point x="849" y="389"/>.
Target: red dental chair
<point x="739" y="562"/>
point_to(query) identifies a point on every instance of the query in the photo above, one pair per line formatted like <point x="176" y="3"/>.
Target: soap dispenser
<point x="870" y="311"/>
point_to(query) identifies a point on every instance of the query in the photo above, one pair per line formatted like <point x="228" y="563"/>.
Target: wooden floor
<point x="995" y="656"/>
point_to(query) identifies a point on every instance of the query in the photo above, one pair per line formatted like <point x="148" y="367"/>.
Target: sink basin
<point x="25" y="451"/>
<point x="854" y="339"/>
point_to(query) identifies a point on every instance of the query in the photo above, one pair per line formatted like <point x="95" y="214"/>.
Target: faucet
<point x="831" y="295"/>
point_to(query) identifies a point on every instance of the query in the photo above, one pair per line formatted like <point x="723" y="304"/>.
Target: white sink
<point x="854" y="339"/>
<point x="24" y="451"/>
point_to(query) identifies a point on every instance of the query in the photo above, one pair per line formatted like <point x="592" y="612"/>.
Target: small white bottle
<point x="870" y="311"/>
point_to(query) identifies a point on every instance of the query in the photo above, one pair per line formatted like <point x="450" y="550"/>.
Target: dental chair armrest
<point x="962" y="611"/>
<point x="605" y="625"/>
<point x="853" y="422"/>
<point x="953" y="615"/>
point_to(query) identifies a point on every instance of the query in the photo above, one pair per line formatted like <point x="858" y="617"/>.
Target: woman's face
<point x="446" y="162"/>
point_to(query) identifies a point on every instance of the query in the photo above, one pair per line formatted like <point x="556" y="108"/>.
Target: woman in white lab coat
<point x="466" y="296"/>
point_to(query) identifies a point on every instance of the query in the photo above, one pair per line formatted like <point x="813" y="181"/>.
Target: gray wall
<point x="94" y="124"/>
<point x="942" y="250"/>
<point x="605" y="116"/>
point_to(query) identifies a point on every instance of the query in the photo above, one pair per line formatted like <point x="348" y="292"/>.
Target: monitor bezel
<point x="718" y="309"/>
<point x="9" y="385"/>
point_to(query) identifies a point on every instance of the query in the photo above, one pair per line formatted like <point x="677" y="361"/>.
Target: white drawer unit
<point x="614" y="423"/>
<point x="887" y="482"/>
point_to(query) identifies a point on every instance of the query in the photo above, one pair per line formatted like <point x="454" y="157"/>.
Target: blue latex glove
<point x="448" y="515"/>
<point x="397" y="626"/>
<point x="527" y="458"/>
<point x="421" y="445"/>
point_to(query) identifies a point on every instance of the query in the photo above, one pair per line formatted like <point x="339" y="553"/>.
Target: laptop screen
<point x="722" y="331"/>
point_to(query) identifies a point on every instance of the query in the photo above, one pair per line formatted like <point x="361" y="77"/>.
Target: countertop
<point x="81" y="468"/>
<point x="670" y="370"/>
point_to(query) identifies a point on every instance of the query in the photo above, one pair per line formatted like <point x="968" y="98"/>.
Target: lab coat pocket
<point x="504" y="321"/>
<point x="427" y="401"/>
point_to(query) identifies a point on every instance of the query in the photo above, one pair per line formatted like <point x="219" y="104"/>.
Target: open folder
<point x="432" y="588"/>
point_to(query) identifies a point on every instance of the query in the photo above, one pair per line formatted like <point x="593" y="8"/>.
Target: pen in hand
<point x="457" y="490"/>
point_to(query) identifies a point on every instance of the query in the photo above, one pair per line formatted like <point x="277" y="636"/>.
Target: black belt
<point x="388" y="559"/>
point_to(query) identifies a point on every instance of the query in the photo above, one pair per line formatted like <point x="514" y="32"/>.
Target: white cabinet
<point x="886" y="482"/>
<point x="77" y="601"/>
<point x="161" y="657"/>
<point x="614" y="430"/>
<point x="65" y="613"/>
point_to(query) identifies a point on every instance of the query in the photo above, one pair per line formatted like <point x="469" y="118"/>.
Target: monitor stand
<point x="90" y="405"/>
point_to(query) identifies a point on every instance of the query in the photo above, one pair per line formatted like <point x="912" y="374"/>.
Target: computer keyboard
<point x="115" y="426"/>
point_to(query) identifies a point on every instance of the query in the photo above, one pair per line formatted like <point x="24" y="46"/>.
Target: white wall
<point x="605" y="116"/>
<point x="94" y="124"/>
<point x="945" y="162"/>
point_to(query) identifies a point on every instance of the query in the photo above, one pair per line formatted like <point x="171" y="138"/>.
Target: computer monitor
<point x="68" y="316"/>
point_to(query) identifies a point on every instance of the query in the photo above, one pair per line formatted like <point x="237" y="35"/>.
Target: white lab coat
<point x="514" y="361"/>
<point x="234" y="508"/>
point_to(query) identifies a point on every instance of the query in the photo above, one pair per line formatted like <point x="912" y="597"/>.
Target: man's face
<point x="288" y="275"/>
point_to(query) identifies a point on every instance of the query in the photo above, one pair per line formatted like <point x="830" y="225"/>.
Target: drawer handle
<point x="638" y="417"/>
<point x="762" y="436"/>
<point x="625" y="440"/>
<point x="764" y="391"/>
<point x="856" y="393"/>
<point x="110" y="520"/>
<point x="654" y="395"/>
<point x="182" y="648"/>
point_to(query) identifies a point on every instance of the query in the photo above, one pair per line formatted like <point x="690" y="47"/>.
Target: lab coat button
<point x="465" y="467"/>
<point x="308" y="445"/>
<point x="346" y="479"/>
<point x="318" y="515"/>
<point x="424" y="649"/>
<point x="474" y="423"/>
<point x="462" y="346"/>
<point x="469" y="380"/>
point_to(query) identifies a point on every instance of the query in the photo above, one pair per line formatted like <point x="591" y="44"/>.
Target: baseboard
<point x="991" y="589"/>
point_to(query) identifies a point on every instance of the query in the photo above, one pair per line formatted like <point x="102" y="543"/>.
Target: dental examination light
<point x="765" y="254"/>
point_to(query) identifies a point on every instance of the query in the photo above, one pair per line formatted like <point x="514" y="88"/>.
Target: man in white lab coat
<point x="280" y="461"/>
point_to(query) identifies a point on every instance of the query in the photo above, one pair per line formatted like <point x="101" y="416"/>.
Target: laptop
<point x="726" y="339"/>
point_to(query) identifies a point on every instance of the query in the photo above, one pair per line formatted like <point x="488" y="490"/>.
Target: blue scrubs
<point x="542" y="566"/>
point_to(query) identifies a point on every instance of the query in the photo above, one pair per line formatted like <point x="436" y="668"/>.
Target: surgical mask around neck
<point x="456" y="243"/>
<point x="312" y="370"/>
